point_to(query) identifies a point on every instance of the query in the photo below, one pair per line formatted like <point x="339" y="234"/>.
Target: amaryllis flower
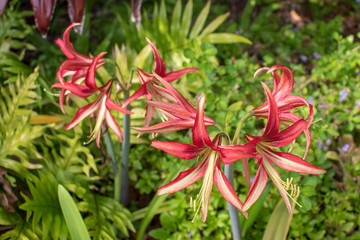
<point x="102" y="105"/>
<point x="80" y="67"/>
<point x="149" y="84"/>
<point x="283" y="85"/>
<point x="178" y="115"/>
<point x="209" y="168"/>
<point x="266" y="157"/>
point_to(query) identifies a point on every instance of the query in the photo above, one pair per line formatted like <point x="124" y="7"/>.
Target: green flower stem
<point x="233" y="212"/>
<point x="229" y="173"/>
<point x="124" y="196"/>
<point x="239" y="126"/>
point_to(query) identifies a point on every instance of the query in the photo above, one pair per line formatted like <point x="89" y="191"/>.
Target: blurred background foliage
<point x="317" y="39"/>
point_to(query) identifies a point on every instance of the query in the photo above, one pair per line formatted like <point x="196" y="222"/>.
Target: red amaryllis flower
<point x="266" y="157"/>
<point x="102" y="105"/>
<point x="149" y="84"/>
<point x="283" y="85"/>
<point x="179" y="115"/>
<point x="80" y="67"/>
<point x="209" y="168"/>
<point x="88" y="81"/>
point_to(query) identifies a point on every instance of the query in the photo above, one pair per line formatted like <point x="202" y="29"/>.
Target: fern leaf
<point x="104" y="212"/>
<point x="16" y="135"/>
<point x="44" y="206"/>
<point x="21" y="229"/>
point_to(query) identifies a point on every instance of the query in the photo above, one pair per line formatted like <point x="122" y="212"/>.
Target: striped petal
<point x="180" y="150"/>
<point x="138" y="93"/>
<point x="159" y="63"/>
<point x="168" y="126"/>
<point x="226" y="190"/>
<point x="200" y="135"/>
<point x="257" y="188"/>
<point x="272" y="126"/>
<point x="84" y="112"/>
<point x="110" y="104"/>
<point x="184" y="179"/>
<point x="275" y="177"/>
<point x="286" y="136"/>
<point x="78" y="90"/>
<point x="90" y="75"/>
<point x="174" y="75"/>
<point x="290" y="162"/>
<point x="113" y="125"/>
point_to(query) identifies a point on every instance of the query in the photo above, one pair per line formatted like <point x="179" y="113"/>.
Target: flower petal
<point x="113" y="125"/>
<point x="78" y="90"/>
<point x="159" y="63"/>
<point x="227" y="191"/>
<point x="67" y="47"/>
<point x="138" y="93"/>
<point x="110" y="104"/>
<point x="287" y="135"/>
<point x="200" y="135"/>
<point x="290" y="162"/>
<point x="84" y="112"/>
<point x="286" y="83"/>
<point x="257" y="188"/>
<point x="184" y="179"/>
<point x="180" y="150"/>
<point x="275" y="176"/>
<point x="168" y="126"/>
<point x="90" y="75"/>
<point x="232" y="153"/>
<point x="272" y="126"/>
<point x="174" y="75"/>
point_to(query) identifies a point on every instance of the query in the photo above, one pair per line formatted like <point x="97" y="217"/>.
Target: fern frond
<point x="19" y="228"/>
<point x="44" y="206"/>
<point x="70" y="153"/>
<point x="104" y="212"/>
<point x="16" y="135"/>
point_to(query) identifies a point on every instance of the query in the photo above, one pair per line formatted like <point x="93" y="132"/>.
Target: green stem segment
<point x="229" y="173"/>
<point x="124" y="196"/>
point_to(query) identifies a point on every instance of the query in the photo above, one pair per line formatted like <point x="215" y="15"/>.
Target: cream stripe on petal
<point x="227" y="191"/>
<point x="275" y="177"/>
<point x="184" y="179"/>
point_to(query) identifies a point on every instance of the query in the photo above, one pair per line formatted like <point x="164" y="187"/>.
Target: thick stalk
<point x="124" y="196"/>
<point x="233" y="212"/>
<point x="229" y="173"/>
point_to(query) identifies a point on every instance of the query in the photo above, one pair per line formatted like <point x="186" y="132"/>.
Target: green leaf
<point x="168" y="222"/>
<point x="225" y="38"/>
<point x="163" y="22"/>
<point x="214" y="25"/>
<point x="175" y="20"/>
<point x="186" y="19"/>
<point x="236" y="106"/>
<point x="159" y="233"/>
<point x="200" y="21"/>
<point x="72" y="215"/>
<point x="279" y="223"/>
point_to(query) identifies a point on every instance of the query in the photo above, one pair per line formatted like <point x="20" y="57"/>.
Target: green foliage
<point x="22" y="229"/>
<point x="16" y="135"/>
<point x="171" y="39"/>
<point x="72" y="215"/>
<point x="44" y="206"/>
<point x="103" y="212"/>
